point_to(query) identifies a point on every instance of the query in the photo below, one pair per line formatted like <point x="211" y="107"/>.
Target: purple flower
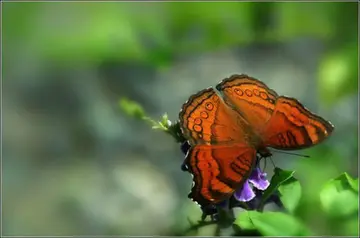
<point x="256" y="180"/>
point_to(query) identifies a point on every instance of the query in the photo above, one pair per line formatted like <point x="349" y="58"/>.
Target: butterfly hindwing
<point x="218" y="170"/>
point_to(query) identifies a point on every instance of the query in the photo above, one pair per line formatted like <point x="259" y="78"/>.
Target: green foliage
<point x="340" y="196"/>
<point x="132" y="108"/>
<point x="135" y="110"/>
<point x="271" y="223"/>
<point x="290" y="194"/>
<point x="279" y="178"/>
<point x="288" y="187"/>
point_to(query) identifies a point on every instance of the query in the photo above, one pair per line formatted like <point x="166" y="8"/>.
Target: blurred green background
<point x="75" y="164"/>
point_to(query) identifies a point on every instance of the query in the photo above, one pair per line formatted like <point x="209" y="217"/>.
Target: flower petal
<point x="258" y="179"/>
<point x="245" y="193"/>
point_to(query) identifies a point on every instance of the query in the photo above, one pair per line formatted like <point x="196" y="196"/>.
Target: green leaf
<point x="244" y="220"/>
<point x="165" y="122"/>
<point x="290" y="194"/>
<point x="132" y="108"/>
<point x="280" y="176"/>
<point x="339" y="197"/>
<point x="271" y="223"/>
<point x="354" y="183"/>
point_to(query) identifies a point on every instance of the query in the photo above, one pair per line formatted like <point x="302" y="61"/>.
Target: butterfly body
<point x="225" y="132"/>
<point x="263" y="152"/>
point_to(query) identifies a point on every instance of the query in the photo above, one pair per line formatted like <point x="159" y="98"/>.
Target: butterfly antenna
<point x="289" y="153"/>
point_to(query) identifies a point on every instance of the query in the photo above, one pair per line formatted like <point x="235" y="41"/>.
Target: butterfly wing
<point x="206" y="119"/>
<point x="220" y="158"/>
<point x="218" y="170"/>
<point x="280" y="122"/>
<point x="251" y="98"/>
<point x="293" y="127"/>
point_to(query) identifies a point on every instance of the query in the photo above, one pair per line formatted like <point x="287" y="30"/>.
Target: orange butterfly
<point x="226" y="133"/>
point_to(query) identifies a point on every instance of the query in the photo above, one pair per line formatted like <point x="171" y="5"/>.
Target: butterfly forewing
<point x="293" y="127"/>
<point x="278" y="122"/>
<point x="251" y="98"/>
<point x="206" y="119"/>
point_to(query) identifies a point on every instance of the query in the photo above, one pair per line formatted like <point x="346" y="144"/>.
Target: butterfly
<point x="226" y="130"/>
